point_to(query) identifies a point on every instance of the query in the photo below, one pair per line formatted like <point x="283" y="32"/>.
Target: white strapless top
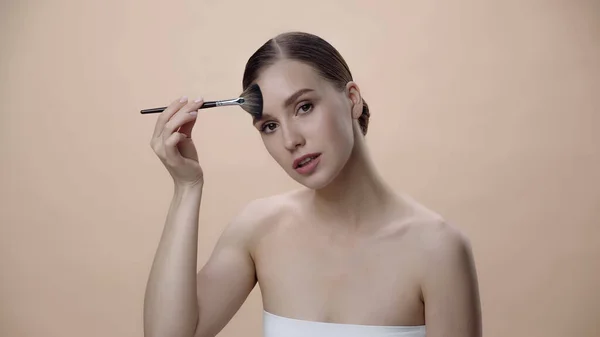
<point x="277" y="326"/>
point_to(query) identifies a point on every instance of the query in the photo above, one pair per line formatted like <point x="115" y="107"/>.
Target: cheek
<point x="337" y="125"/>
<point x="274" y="148"/>
<point x="269" y="145"/>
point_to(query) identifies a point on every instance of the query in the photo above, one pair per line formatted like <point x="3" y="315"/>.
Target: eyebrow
<point x="295" y="96"/>
<point x="286" y="103"/>
<point x="263" y="116"/>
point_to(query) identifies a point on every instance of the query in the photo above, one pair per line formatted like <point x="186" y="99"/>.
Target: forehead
<point x="283" y="78"/>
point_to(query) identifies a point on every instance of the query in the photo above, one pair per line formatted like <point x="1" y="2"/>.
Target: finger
<point x="164" y="116"/>
<point x="187" y="128"/>
<point x="190" y="106"/>
<point x="176" y="123"/>
<point x="171" y="151"/>
<point x="184" y="115"/>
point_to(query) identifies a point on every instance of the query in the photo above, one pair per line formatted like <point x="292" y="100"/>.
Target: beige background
<point x="486" y="111"/>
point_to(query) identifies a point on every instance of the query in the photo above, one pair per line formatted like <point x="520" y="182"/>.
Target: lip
<point x="310" y="167"/>
<point x="298" y="160"/>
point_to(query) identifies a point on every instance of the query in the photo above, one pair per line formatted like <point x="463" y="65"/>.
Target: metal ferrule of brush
<point x="235" y="101"/>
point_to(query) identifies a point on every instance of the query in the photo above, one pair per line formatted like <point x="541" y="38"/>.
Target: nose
<point x="292" y="138"/>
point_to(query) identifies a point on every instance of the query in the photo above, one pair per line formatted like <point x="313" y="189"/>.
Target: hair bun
<point x="363" y="120"/>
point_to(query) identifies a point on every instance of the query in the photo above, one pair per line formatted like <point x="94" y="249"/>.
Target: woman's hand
<point x="172" y="142"/>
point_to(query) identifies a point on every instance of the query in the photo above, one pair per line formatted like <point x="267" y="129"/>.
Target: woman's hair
<point x="309" y="49"/>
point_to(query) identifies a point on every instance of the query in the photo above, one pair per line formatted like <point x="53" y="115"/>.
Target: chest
<point x="337" y="276"/>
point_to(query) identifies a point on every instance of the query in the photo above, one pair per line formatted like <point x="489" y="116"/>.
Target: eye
<point x="268" y="127"/>
<point x="305" y="108"/>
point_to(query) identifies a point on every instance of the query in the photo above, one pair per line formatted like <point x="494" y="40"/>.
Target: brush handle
<point x="205" y="105"/>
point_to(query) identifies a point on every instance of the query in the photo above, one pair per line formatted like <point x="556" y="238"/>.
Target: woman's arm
<point x="450" y="287"/>
<point x="170" y="306"/>
<point x="181" y="302"/>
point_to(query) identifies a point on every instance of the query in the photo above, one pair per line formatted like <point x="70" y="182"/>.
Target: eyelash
<point x="303" y="105"/>
<point x="264" y="126"/>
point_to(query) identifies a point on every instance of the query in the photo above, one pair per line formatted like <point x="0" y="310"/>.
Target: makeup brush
<point x="250" y="100"/>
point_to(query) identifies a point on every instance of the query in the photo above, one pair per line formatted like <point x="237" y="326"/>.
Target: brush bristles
<point x="253" y="101"/>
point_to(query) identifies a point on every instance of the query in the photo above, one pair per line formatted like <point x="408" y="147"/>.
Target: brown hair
<point x="309" y="49"/>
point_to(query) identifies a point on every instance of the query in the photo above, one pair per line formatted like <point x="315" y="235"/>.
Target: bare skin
<point x="347" y="249"/>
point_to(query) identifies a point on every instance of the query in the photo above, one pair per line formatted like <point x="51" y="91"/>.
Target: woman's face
<point x="307" y="124"/>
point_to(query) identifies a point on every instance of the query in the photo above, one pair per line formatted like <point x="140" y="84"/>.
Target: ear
<point x="353" y="94"/>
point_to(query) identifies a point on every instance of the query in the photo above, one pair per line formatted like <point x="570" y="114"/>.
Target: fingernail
<point x="194" y="112"/>
<point x="198" y="100"/>
<point x="182" y="99"/>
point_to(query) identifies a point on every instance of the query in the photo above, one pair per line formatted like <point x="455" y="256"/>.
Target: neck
<point x="358" y="196"/>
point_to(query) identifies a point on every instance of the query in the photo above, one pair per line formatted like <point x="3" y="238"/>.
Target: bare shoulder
<point x="442" y="242"/>
<point x="437" y="239"/>
<point x="264" y="210"/>
<point x="260" y="214"/>
<point x="448" y="277"/>
<point x="230" y="274"/>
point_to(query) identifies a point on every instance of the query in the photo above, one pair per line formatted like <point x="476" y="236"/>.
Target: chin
<point x="311" y="183"/>
<point x="316" y="181"/>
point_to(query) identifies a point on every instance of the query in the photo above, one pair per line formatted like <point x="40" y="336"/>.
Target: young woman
<point x="345" y="256"/>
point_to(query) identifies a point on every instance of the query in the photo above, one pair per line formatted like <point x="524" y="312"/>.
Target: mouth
<point x="305" y="160"/>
